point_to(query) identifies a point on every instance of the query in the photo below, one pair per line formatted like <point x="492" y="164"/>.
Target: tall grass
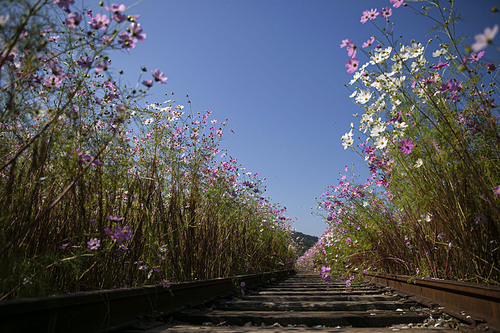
<point x="97" y="191"/>
<point x="431" y="206"/>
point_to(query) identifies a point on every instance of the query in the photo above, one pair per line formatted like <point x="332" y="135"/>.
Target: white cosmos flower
<point x="376" y="84"/>
<point x="400" y="125"/>
<point x="381" y="142"/>
<point x="364" y="96"/>
<point x="417" y="64"/>
<point x="416" y="50"/>
<point x="148" y="121"/>
<point x="355" y="92"/>
<point x="450" y="56"/>
<point x="356" y="76"/>
<point x="386" y="53"/>
<point x="4" y="19"/>
<point x="347" y="139"/>
<point x="418" y="163"/>
<point x="377" y="106"/>
<point x="404" y="53"/>
<point x="439" y="52"/>
<point x="397" y="67"/>
<point x="366" y="118"/>
<point x="377" y="129"/>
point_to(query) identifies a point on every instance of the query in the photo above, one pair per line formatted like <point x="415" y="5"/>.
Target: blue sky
<point x="275" y="70"/>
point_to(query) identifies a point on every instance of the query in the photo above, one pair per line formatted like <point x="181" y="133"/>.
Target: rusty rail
<point x="106" y="310"/>
<point x="472" y="303"/>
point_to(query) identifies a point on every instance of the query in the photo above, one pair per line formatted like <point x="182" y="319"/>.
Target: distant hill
<point x="305" y="242"/>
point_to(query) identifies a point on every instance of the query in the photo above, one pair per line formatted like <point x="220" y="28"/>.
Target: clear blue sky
<point x="275" y="70"/>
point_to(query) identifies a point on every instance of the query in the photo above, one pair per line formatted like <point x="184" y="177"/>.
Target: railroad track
<point x="278" y="301"/>
<point x="302" y="303"/>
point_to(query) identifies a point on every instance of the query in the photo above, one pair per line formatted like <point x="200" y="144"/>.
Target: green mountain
<point x="305" y="242"/>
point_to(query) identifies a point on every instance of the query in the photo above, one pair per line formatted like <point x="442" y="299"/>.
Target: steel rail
<point x="470" y="302"/>
<point x="108" y="310"/>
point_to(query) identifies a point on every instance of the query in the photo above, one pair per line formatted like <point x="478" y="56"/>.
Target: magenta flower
<point x="491" y="67"/>
<point x="99" y="22"/>
<point x="406" y="146"/>
<point x="397" y="3"/>
<point x="119" y="234"/>
<point x="64" y="4"/>
<point x="107" y="40"/>
<point x="497" y="190"/>
<point x="386" y="12"/>
<point x="115" y="218"/>
<point x="451" y="85"/>
<point x="352" y="65"/>
<point x="476" y="57"/>
<point x="368" y="42"/>
<point x="136" y="31"/>
<point x="93" y="244"/>
<point x="159" y="76"/>
<point x="102" y="66"/>
<point x="73" y="20"/>
<point x="440" y="65"/>
<point x="127" y="40"/>
<point x="52" y="81"/>
<point x="117" y="12"/>
<point x="119" y="17"/>
<point x="482" y="40"/>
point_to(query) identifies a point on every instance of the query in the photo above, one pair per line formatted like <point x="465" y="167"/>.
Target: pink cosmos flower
<point x="148" y="83"/>
<point x="482" y="40"/>
<point x="64" y="4"/>
<point x="451" y="85"/>
<point x="475" y="57"/>
<point x="136" y="31"/>
<point x="352" y="65"/>
<point x="368" y="42"/>
<point x="52" y="81"/>
<point x="345" y="42"/>
<point x="491" y="67"/>
<point x="73" y="20"/>
<point x="116" y="8"/>
<point x="127" y="40"/>
<point x="159" y="76"/>
<point x="406" y="146"/>
<point x="397" y="3"/>
<point x="386" y="12"/>
<point x="372" y="14"/>
<point x="119" y="17"/>
<point x="102" y="66"/>
<point x="99" y="22"/>
<point x="351" y="48"/>
<point x="364" y="17"/>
